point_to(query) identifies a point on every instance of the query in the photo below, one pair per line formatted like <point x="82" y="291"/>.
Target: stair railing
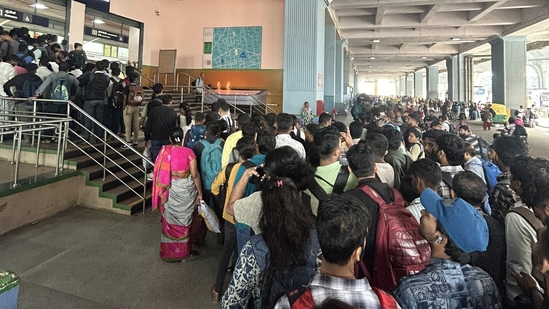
<point x="64" y="129"/>
<point x="102" y="141"/>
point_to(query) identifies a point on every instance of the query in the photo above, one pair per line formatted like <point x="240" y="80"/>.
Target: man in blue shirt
<point x="454" y="229"/>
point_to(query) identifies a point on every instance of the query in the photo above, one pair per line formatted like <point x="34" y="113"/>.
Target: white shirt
<point x="287" y="140"/>
<point x="76" y="72"/>
<point x="54" y="66"/>
<point x="7" y="72"/>
<point x="43" y="72"/>
<point x="199" y="85"/>
<point x="415" y="208"/>
<point x="386" y="173"/>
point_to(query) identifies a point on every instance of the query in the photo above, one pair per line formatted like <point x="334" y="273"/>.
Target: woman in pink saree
<point x="176" y="194"/>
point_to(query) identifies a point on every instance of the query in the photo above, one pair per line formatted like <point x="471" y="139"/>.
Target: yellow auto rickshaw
<point x="502" y="113"/>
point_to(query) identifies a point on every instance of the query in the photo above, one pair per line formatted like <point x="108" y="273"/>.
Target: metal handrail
<point x="143" y="76"/>
<point x="63" y="136"/>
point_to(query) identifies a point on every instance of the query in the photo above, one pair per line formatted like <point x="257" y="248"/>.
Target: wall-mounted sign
<point x="24" y="17"/>
<point x="101" y="5"/>
<point x="105" y="35"/>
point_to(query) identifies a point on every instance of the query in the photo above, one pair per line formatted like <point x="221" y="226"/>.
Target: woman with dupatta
<point x="176" y="194"/>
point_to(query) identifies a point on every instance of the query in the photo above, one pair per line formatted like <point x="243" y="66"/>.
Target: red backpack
<point x="400" y="249"/>
<point x="302" y="298"/>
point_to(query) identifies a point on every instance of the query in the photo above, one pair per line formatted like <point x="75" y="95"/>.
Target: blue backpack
<point x="289" y="279"/>
<point x="210" y="162"/>
<point x="491" y="172"/>
<point x="196" y="134"/>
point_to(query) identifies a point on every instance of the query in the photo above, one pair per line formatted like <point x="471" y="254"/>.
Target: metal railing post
<point x="104" y="154"/>
<point x="18" y="157"/>
<point x="38" y="148"/>
<point x="59" y="148"/>
<point x="144" y="189"/>
<point x="33" y="120"/>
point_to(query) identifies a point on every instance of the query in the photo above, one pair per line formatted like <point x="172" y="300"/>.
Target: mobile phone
<point x="257" y="179"/>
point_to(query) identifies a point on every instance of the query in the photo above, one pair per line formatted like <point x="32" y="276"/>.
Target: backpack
<point x="117" y="97"/>
<point x="24" y="58"/>
<point x="357" y="109"/>
<point x="221" y="198"/>
<point x="290" y="278"/>
<point x="135" y="98"/>
<point x="400" y="249"/>
<point x="520" y="132"/>
<point x="491" y="172"/>
<point x="484" y="147"/>
<point x="196" y="134"/>
<point x="302" y="298"/>
<point x="452" y="128"/>
<point x="75" y="59"/>
<point x="338" y="186"/>
<point x="60" y="89"/>
<point x="455" y="108"/>
<point x="153" y="103"/>
<point x="28" y="89"/>
<point x="529" y="216"/>
<point x="210" y="162"/>
<point x="193" y="83"/>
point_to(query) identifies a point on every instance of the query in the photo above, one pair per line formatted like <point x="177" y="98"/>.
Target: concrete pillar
<point x="410" y="85"/>
<point x="397" y="86"/>
<point x="76" y="23"/>
<point x="376" y="87"/>
<point x="356" y="83"/>
<point x="329" y="66"/>
<point x="509" y="71"/>
<point x="432" y="82"/>
<point x="340" y="49"/>
<point x="402" y="83"/>
<point x="346" y="72"/>
<point x="418" y="84"/>
<point x="304" y="27"/>
<point x="453" y="77"/>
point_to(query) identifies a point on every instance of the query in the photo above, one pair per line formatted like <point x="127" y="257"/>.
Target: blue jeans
<point x="156" y="146"/>
<point x="95" y="110"/>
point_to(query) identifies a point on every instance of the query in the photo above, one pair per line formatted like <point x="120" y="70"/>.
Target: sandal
<point x="215" y="295"/>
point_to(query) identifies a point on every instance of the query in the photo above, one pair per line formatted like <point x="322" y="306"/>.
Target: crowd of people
<point x="394" y="209"/>
<point x="40" y="68"/>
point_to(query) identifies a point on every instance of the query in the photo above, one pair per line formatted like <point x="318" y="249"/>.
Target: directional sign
<point x="24" y="17"/>
<point x="106" y="35"/>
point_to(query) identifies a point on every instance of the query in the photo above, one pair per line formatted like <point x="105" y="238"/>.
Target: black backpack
<point x="117" y="96"/>
<point x="338" y="186"/>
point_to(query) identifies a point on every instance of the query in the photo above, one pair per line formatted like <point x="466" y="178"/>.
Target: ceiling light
<point x="98" y="21"/>
<point x="372" y="58"/>
<point x="369" y="66"/>
<point x="423" y="57"/>
<point x="376" y="41"/>
<point x="456" y="39"/>
<point x="39" y="6"/>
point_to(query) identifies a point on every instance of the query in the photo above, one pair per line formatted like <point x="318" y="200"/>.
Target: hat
<point x="519" y="122"/>
<point x="463" y="223"/>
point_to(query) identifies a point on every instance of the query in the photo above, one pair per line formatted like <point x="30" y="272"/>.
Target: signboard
<point x="105" y="35"/>
<point x="100" y="5"/>
<point x="232" y="48"/>
<point x="24" y="17"/>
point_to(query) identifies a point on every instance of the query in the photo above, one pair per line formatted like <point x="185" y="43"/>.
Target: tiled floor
<point x="85" y="258"/>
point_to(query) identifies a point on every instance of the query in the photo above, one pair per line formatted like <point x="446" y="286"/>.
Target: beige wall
<point x="180" y="25"/>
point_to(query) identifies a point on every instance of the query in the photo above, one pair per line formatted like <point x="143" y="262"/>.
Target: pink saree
<point x="174" y="196"/>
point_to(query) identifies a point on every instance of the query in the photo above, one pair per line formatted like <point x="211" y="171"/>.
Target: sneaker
<point x="135" y="144"/>
<point x="125" y="146"/>
<point x="150" y="176"/>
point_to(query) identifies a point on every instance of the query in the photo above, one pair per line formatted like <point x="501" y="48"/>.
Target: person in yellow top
<point x="230" y="143"/>
<point x="228" y="177"/>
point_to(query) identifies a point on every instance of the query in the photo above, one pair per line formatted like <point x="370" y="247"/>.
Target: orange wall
<point x="270" y="80"/>
<point x="179" y="25"/>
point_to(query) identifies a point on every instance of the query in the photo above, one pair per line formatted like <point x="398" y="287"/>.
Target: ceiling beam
<point x="379" y="15"/>
<point x="430" y="13"/>
<point x="441" y="33"/>
<point x="488" y="8"/>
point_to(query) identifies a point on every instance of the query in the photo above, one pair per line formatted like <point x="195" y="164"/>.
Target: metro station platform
<point x="85" y="258"/>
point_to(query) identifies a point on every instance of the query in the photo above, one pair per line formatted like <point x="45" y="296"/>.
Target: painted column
<point x="509" y="71"/>
<point x="340" y="49"/>
<point x="76" y="23"/>
<point x="304" y="28"/>
<point x="410" y="85"/>
<point x="418" y="84"/>
<point x="329" y="66"/>
<point x="453" y="77"/>
<point x="397" y="87"/>
<point x="402" y="83"/>
<point x="432" y="82"/>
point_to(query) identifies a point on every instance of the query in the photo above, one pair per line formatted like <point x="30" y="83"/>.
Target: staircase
<point x="123" y="199"/>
